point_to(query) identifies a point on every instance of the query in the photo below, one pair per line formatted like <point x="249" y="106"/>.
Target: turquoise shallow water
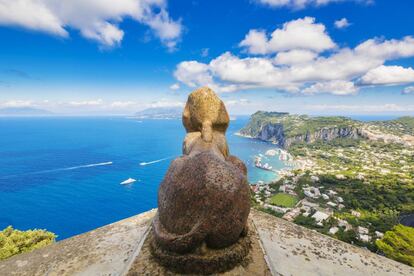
<point x="64" y="174"/>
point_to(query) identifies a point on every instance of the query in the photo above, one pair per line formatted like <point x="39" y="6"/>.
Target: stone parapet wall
<point x="288" y="249"/>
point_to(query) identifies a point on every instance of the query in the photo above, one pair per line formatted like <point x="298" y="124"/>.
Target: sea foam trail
<point x="155" y="161"/>
<point x="59" y="170"/>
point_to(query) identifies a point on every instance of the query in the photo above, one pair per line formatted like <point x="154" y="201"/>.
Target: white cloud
<point x="302" y="34"/>
<point x="389" y="49"/>
<point x="96" y="20"/>
<point x="333" y="87"/>
<point x="300" y="4"/>
<point x="238" y="102"/>
<point x="295" y="57"/>
<point x="408" y="90"/>
<point x="193" y="73"/>
<point x="166" y="103"/>
<point x="342" y="23"/>
<point x="97" y="102"/>
<point x="384" y="75"/>
<point x="337" y="71"/>
<point x="123" y="104"/>
<point x="16" y="103"/>
<point x="175" y="86"/>
<point x="360" y="109"/>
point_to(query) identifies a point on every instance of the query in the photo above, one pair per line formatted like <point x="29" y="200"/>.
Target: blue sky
<point x="117" y="57"/>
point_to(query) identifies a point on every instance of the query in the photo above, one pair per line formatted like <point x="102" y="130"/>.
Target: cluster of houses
<point x="319" y="203"/>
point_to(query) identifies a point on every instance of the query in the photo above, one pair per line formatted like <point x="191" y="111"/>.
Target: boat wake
<point x="155" y="161"/>
<point x="81" y="167"/>
<point x="61" y="169"/>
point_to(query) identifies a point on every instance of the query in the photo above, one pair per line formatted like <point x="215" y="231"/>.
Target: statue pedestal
<point x="243" y="258"/>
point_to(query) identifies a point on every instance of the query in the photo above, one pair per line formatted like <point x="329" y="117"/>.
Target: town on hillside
<point x="352" y="187"/>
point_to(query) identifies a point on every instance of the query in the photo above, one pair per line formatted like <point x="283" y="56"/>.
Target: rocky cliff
<point x="284" y="129"/>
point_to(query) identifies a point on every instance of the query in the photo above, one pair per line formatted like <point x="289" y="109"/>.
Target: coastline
<point x="290" y="165"/>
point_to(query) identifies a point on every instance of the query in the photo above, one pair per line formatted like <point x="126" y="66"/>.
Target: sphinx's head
<point x="205" y="113"/>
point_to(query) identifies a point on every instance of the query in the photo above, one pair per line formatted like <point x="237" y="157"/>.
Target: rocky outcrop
<point x="284" y="129"/>
<point x="324" y="134"/>
<point x="275" y="133"/>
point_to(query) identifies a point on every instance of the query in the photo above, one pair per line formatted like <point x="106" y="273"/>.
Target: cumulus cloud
<point x="300" y="68"/>
<point x="193" y="73"/>
<point x="334" y="87"/>
<point x="96" y="20"/>
<point x="295" y="57"/>
<point x="408" y="90"/>
<point x="300" y="4"/>
<point x="302" y="34"/>
<point x="342" y="23"/>
<point x="175" y="86"/>
<point x="388" y="75"/>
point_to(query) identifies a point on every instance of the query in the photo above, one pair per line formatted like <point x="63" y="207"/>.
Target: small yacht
<point x="128" y="181"/>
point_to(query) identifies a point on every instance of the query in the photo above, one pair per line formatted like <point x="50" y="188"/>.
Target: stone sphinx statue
<point x="204" y="199"/>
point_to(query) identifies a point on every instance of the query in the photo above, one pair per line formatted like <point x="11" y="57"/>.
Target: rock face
<point x="275" y="133"/>
<point x="324" y="134"/>
<point x="284" y="129"/>
<point x="204" y="199"/>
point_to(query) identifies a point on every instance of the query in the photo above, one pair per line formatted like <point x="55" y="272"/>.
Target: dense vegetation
<point x="398" y="244"/>
<point x="403" y="125"/>
<point x="13" y="242"/>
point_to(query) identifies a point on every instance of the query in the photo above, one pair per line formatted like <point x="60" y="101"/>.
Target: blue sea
<point x="64" y="174"/>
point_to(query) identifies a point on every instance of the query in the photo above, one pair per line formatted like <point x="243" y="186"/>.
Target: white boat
<point x="128" y="181"/>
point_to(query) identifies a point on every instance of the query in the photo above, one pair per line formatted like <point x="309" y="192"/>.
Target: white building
<point x="330" y="203"/>
<point x="333" y="230"/>
<point x="355" y="213"/>
<point x="379" y="234"/>
<point x="340" y="176"/>
<point x="320" y="216"/>
<point x="332" y="193"/>
<point x="276" y="208"/>
<point x="314" y="178"/>
<point x="312" y="192"/>
<point x="364" y="238"/>
<point x="325" y="196"/>
<point x="344" y="223"/>
<point x="363" y="230"/>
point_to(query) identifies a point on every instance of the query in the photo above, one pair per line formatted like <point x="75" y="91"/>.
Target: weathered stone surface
<point x="289" y="249"/>
<point x="294" y="250"/>
<point x="108" y="250"/>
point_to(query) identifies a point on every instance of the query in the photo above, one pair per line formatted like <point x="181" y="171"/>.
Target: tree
<point x="305" y="221"/>
<point x="398" y="244"/>
<point x="13" y="242"/>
